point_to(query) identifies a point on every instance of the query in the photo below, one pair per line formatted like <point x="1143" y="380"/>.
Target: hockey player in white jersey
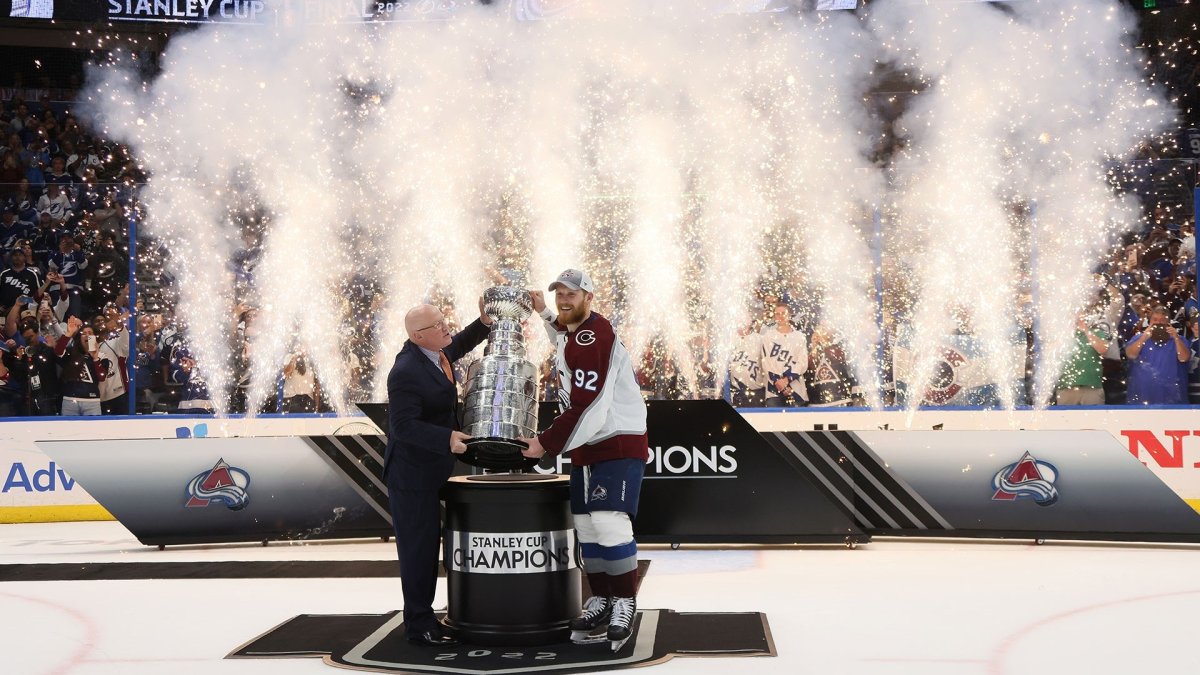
<point x="604" y="428"/>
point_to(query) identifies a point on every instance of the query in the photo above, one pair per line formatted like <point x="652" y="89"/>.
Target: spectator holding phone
<point x="1158" y="358"/>
<point x="19" y="282"/>
<point x="68" y="262"/>
<point x="78" y="351"/>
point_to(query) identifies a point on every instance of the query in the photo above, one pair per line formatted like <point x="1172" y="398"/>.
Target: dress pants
<point x="416" y="517"/>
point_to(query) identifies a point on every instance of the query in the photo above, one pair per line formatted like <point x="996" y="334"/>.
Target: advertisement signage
<point x="1061" y="484"/>
<point x="178" y="491"/>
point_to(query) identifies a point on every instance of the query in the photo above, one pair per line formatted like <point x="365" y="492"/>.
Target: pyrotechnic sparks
<point x="685" y="159"/>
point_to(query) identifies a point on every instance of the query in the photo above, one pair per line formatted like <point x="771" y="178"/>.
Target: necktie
<point x="446" y="367"/>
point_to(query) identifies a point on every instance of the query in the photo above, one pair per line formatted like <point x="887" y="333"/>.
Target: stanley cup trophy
<point x="501" y="395"/>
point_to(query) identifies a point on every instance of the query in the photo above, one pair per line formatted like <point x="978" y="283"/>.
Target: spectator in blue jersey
<point x="1136" y="318"/>
<point x="1192" y="329"/>
<point x="195" y="399"/>
<point x="24" y="201"/>
<point x="1157" y="363"/>
<point x="69" y="260"/>
<point x="12" y="229"/>
<point x="78" y="352"/>
<point x="94" y="200"/>
<point x="19" y="281"/>
<point x="57" y="175"/>
<point x="1179" y="291"/>
<point x="148" y="363"/>
<point x="35" y="158"/>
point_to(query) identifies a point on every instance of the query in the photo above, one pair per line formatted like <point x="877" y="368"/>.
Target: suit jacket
<point x="422" y="411"/>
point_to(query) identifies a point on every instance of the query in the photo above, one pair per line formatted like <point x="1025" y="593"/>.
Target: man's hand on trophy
<point x="457" y="444"/>
<point x="483" y="316"/>
<point x="539" y="300"/>
<point x="535" y="449"/>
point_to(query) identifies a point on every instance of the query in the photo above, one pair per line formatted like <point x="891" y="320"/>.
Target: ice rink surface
<point x="892" y="606"/>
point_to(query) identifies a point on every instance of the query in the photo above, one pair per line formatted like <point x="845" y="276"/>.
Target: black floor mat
<point x="376" y="642"/>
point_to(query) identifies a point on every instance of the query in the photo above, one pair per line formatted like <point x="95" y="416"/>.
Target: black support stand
<point x="511" y="563"/>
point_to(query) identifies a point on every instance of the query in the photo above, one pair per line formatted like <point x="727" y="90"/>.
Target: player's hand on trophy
<point x="539" y="300"/>
<point x="458" y="442"/>
<point x="535" y="449"/>
<point x="483" y="316"/>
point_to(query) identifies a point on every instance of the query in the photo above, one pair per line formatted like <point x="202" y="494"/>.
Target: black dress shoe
<point x="431" y="638"/>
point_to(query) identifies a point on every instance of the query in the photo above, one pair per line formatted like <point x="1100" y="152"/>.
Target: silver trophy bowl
<point x="501" y="399"/>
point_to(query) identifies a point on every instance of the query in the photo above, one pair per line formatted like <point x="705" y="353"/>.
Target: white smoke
<point x="676" y="155"/>
<point x="1004" y="175"/>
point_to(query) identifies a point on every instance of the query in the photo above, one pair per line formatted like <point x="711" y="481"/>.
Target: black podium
<point x="512" y="568"/>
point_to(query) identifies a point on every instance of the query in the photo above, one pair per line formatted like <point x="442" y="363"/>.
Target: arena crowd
<point x="70" y="203"/>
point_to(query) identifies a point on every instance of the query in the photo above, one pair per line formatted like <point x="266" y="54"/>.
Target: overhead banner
<point x="290" y="12"/>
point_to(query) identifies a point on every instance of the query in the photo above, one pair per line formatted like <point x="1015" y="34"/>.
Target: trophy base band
<point x="497" y="454"/>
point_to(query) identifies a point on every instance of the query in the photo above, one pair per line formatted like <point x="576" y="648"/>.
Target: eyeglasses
<point x="437" y="325"/>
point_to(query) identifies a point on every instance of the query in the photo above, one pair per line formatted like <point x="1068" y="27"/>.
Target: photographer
<point x="1158" y="358"/>
<point x="45" y="396"/>
<point x="299" y="384"/>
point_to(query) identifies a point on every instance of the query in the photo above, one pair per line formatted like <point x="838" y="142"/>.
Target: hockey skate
<point x="620" y="625"/>
<point x="586" y="628"/>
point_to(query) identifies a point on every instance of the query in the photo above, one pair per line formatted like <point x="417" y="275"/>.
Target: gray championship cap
<point x="576" y="280"/>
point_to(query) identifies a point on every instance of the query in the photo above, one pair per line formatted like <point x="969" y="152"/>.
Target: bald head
<point x="426" y="327"/>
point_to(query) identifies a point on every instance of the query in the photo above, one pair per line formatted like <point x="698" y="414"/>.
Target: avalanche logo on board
<point x="222" y="483"/>
<point x="1028" y="478"/>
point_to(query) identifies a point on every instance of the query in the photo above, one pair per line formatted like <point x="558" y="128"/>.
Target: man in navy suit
<point x="423" y="439"/>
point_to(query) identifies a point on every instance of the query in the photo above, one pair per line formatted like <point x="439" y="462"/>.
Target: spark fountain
<point x="685" y="156"/>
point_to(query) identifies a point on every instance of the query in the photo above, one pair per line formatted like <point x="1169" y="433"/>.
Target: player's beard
<point x="573" y="315"/>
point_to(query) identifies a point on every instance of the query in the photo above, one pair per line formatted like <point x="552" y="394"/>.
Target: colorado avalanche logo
<point x="222" y="483"/>
<point x="1029" y="478"/>
<point x="944" y="384"/>
<point x="599" y="494"/>
<point x="585" y="337"/>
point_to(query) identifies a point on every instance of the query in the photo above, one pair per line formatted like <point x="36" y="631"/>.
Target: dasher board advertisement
<point x="177" y="491"/>
<point x="1040" y="484"/>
